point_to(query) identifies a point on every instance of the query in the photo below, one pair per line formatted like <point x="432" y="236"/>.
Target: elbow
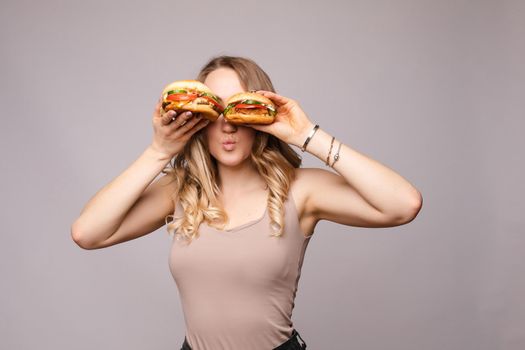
<point x="77" y="237"/>
<point x="413" y="208"/>
<point x="406" y="212"/>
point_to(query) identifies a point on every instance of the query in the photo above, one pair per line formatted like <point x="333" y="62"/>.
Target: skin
<point x="361" y="192"/>
<point x="356" y="191"/>
<point x="236" y="171"/>
<point x="238" y="176"/>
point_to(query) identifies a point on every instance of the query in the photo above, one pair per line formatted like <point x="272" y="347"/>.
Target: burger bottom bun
<point x="239" y="118"/>
<point x="207" y="111"/>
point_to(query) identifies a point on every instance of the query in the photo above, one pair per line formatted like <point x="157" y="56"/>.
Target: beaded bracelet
<point x="309" y="137"/>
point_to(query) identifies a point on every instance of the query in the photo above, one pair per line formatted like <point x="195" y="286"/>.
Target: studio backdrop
<point x="432" y="89"/>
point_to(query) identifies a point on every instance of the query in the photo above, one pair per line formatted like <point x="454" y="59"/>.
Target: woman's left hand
<point x="291" y="123"/>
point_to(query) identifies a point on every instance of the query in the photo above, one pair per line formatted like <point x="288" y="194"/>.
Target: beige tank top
<point x="237" y="287"/>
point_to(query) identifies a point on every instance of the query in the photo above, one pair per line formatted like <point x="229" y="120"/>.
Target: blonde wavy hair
<point x="195" y="171"/>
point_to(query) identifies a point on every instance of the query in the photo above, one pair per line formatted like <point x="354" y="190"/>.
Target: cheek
<point x="249" y="136"/>
<point x="210" y="131"/>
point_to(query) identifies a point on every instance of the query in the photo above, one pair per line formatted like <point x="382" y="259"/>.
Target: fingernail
<point x="188" y="113"/>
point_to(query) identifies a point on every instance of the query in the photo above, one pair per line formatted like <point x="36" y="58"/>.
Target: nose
<point x="227" y="126"/>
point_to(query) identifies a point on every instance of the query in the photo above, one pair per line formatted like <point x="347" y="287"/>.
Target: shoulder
<point x="166" y="185"/>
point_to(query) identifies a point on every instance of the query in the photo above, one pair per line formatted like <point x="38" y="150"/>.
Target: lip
<point x="228" y="145"/>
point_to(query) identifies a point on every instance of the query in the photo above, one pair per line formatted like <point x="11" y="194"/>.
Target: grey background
<point x="432" y="89"/>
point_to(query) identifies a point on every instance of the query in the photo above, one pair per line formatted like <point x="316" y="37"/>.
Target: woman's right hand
<point x="170" y="136"/>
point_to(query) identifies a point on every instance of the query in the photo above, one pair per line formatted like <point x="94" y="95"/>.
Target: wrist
<point x="320" y="144"/>
<point x="306" y="136"/>
<point x="157" y="154"/>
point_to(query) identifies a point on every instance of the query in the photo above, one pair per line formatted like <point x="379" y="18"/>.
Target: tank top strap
<point x="292" y="213"/>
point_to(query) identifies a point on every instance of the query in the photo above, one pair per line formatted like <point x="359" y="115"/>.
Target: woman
<point x="243" y="214"/>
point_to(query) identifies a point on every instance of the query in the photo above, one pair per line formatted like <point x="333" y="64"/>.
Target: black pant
<point x="295" y="342"/>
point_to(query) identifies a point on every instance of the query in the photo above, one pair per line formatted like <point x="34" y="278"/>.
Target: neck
<point x="238" y="180"/>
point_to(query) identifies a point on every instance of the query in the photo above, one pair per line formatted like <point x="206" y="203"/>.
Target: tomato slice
<point x="181" y="97"/>
<point x="213" y="101"/>
<point x="244" y="105"/>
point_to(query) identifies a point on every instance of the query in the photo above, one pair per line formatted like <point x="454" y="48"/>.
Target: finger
<point x="199" y="125"/>
<point x="181" y="120"/>
<point x="190" y="123"/>
<point x="169" y="117"/>
<point x="158" y="106"/>
<point x="278" y="99"/>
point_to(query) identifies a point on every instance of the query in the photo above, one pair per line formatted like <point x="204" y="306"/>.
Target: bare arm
<point x="130" y="206"/>
<point x="105" y="212"/>
<point x="363" y="193"/>
<point x="373" y="194"/>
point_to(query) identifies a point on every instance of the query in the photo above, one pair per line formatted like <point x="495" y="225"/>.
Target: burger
<point x="191" y="95"/>
<point x="249" y="108"/>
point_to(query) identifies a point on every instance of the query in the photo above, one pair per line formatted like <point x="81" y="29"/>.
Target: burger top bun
<point x="199" y="104"/>
<point x="249" y="116"/>
<point x="250" y="96"/>
<point x="187" y="84"/>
